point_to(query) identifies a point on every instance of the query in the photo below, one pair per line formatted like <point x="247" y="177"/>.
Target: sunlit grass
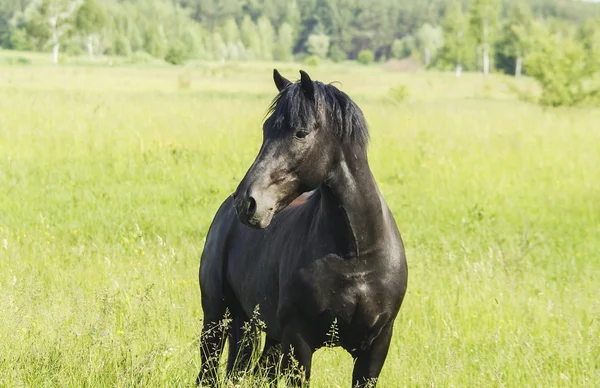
<point x="110" y="177"/>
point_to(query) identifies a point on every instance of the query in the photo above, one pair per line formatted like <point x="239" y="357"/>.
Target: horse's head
<point x="302" y="141"/>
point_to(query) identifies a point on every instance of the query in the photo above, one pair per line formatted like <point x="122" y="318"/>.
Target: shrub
<point x="365" y="57"/>
<point x="184" y="80"/>
<point x="336" y="54"/>
<point x="566" y="71"/>
<point x="121" y="46"/>
<point x="141" y="57"/>
<point x="176" y="54"/>
<point x="399" y="93"/>
<point x="313" y="61"/>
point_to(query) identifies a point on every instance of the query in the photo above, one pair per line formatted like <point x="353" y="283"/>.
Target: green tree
<point x="231" y="33"/>
<point x="483" y="23"/>
<point x="402" y="48"/>
<point x="155" y="41"/>
<point x="564" y="68"/>
<point x="431" y="40"/>
<point x="267" y="38"/>
<point x="219" y="47"/>
<point x="90" y="19"/>
<point x="456" y="52"/>
<point x="510" y="48"/>
<point x="50" y="20"/>
<point x="285" y="43"/>
<point x="318" y="45"/>
<point x="250" y="38"/>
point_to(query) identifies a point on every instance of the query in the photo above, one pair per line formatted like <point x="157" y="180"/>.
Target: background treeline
<point x="556" y="41"/>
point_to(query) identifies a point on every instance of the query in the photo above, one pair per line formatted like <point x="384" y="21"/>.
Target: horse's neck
<point x="353" y="191"/>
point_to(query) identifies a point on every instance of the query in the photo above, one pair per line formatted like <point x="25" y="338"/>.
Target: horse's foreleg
<point x="267" y="365"/>
<point x="241" y="344"/>
<point x="297" y="356"/>
<point x="369" y="362"/>
<point x="212" y="341"/>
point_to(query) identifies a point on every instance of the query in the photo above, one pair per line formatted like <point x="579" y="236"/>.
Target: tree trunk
<point x="486" y="49"/>
<point x="55" y="42"/>
<point x="427" y="57"/>
<point x="518" y="66"/>
<point x="55" y="48"/>
<point x="458" y="70"/>
<point x="90" y="47"/>
<point x="486" y="60"/>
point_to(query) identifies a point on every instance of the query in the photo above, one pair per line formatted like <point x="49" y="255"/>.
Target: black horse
<point x="305" y="260"/>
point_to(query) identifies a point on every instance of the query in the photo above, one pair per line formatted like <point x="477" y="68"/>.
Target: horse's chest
<point x="352" y="293"/>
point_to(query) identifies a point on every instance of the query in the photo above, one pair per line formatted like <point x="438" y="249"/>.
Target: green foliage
<point x="483" y="20"/>
<point x="220" y="52"/>
<point x="312" y="61"/>
<point x="19" y="39"/>
<point x="176" y="54"/>
<point x="403" y="48"/>
<point x="399" y="93"/>
<point x="266" y="32"/>
<point x="90" y="17"/>
<point x="141" y="57"/>
<point x="365" y="57"/>
<point x="184" y="80"/>
<point x="318" y="45"/>
<point x="510" y="47"/>
<point x="284" y="47"/>
<point x="436" y="31"/>
<point x="251" y="38"/>
<point x="230" y="33"/>
<point x="430" y="40"/>
<point x="336" y="54"/>
<point x="121" y="46"/>
<point x="568" y="73"/>
<point x="458" y="48"/>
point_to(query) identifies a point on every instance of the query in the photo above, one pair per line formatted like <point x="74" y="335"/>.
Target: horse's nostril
<point x="251" y="206"/>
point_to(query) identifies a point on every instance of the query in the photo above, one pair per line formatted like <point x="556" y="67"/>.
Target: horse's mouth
<point x="259" y="220"/>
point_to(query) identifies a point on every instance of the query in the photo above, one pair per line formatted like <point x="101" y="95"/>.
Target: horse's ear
<point x="280" y="82"/>
<point x="307" y="85"/>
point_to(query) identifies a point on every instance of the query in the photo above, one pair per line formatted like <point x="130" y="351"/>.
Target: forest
<point x="538" y="37"/>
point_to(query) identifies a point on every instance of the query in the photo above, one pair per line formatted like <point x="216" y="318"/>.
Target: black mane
<point x="293" y="106"/>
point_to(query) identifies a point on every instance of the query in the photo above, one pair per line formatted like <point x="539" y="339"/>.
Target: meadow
<point x="110" y="177"/>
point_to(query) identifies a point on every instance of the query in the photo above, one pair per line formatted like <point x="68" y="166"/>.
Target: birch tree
<point x="54" y="19"/>
<point x="483" y="22"/>
<point x="89" y="20"/>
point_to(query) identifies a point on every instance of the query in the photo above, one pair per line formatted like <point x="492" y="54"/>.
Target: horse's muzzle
<point x="246" y="211"/>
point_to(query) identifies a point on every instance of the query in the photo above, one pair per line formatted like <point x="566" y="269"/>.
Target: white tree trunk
<point x="486" y="49"/>
<point x="458" y="70"/>
<point x="55" y="48"/>
<point x="90" y="47"/>
<point x="519" y="67"/>
<point x="486" y="60"/>
<point x="427" y="56"/>
<point x="55" y="41"/>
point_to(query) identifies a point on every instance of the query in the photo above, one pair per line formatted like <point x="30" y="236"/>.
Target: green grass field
<point x="110" y="177"/>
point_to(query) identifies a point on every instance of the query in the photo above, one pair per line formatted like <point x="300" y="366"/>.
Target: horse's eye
<point x="301" y="134"/>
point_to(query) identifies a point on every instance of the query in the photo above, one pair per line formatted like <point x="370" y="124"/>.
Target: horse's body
<point x="306" y="259"/>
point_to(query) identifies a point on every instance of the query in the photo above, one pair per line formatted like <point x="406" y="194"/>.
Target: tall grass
<point x="110" y="177"/>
